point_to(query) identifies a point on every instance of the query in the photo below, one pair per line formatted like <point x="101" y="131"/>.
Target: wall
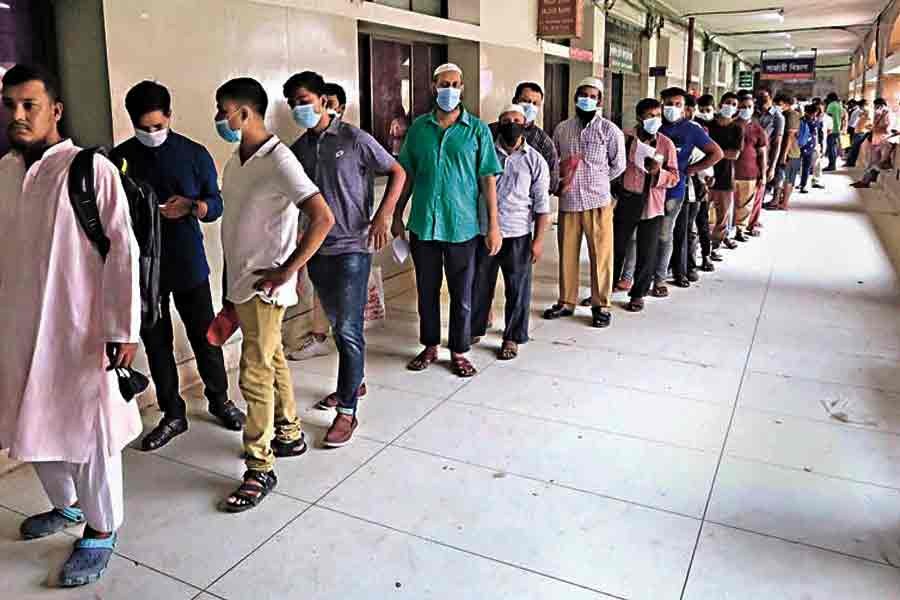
<point x="502" y="69"/>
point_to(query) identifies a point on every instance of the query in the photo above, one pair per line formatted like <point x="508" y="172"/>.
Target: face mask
<point x="151" y="139"/>
<point x="448" y="98"/>
<point x="305" y="116"/>
<point x="586" y="104"/>
<point x="727" y="111"/>
<point x="773" y="110"/>
<point x="672" y="113"/>
<point x="232" y="136"/>
<point x="705" y="116"/>
<point x="652" y="125"/>
<point x="531" y="111"/>
<point x="510" y="133"/>
<point x="333" y="113"/>
<point x="745" y="114"/>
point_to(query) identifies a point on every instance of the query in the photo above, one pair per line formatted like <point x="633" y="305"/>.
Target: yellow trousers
<point x="597" y="226"/>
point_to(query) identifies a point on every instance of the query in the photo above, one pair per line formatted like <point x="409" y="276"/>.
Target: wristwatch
<point x="195" y="208"/>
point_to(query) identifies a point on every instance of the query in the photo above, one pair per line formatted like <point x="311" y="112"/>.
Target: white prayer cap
<point x="447" y="68"/>
<point x="513" y="108"/>
<point x="591" y="82"/>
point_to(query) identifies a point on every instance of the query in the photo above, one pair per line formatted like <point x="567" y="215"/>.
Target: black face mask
<point x="510" y="133"/>
<point x="586" y="116"/>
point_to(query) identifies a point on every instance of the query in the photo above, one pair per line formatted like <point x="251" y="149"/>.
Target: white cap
<point x="516" y="108"/>
<point x="447" y="68"/>
<point x="591" y="82"/>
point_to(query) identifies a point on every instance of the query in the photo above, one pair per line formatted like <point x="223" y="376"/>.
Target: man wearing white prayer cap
<point x="523" y="205"/>
<point x="592" y="154"/>
<point x="449" y="158"/>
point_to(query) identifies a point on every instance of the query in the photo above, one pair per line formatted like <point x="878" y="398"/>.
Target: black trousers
<point x="627" y="219"/>
<point x="702" y="236"/>
<point x="681" y="246"/>
<point x="433" y="260"/>
<point x="514" y="259"/>
<point x="196" y="311"/>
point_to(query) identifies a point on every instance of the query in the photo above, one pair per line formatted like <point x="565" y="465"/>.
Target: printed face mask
<point x="153" y="139"/>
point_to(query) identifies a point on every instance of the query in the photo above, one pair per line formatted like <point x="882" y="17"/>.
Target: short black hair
<point x="673" y="92"/>
<point x="333" y="89"/>
<point x="147" y="97"/>
<point x="782" y="98"/>
<point x="645" y="105"/>
<point x="706" y="100"/>
<point x="528" y="85"/>
<point x="309" y="80"/>
<point x="741" y="94"/>
<point x="832" y="97"/>
<point x="728" y="96"/>
<point x="690" y="101"/>
<point x="811" y="109"/>
<point x="880" y="101"/>
<point x="246" y="91"/>
<point x="862" y="102"/>
<point x="23" y="73"/>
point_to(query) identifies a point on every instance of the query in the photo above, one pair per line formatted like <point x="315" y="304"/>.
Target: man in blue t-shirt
<point x="687" y="136"/>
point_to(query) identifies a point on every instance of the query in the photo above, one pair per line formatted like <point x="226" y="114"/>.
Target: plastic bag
<point x="375" y="312"/>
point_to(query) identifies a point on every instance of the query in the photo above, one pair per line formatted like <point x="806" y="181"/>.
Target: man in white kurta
<point x="60" y="306"/>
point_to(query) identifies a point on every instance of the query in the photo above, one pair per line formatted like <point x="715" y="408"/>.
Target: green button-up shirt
<point x="445" y="165"/>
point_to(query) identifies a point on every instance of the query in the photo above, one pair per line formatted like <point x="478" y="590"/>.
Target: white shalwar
<point x="60" y="303"/>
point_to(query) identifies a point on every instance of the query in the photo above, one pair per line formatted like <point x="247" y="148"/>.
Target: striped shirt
<point x="599" y="149"/>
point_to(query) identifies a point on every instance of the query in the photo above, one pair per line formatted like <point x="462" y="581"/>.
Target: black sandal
<point x="508" y="351"/>
<point x="289" y="449"/>
<point x="635" y="305"/>
<point x="558" y="310"/>
<point x="600" y="318"/>
<point x="250" y="495"/>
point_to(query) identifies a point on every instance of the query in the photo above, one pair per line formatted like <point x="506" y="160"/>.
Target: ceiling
<point x="824" y="17"/>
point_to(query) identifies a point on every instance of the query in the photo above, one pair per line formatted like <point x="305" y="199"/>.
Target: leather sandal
<point x="600" y="317"/>
<point x="254" y="489"/>
<point x="424" y="360"/>
<point x="461" y="367"/>
<point x="635" y="305"/>
<point x="508" y="351"/>
<point x="558" y="310"/>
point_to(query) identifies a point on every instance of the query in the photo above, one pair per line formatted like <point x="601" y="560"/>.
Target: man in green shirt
<point x="448" y="155"/>
<point x="836" y="113"/>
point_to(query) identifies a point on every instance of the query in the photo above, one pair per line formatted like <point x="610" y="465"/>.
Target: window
<point x="435" y="8"/>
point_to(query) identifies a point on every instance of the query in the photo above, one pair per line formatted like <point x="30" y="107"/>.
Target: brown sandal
<point x="660" y="291"/>
<point x="461" y="367"/>
<point x="635" y="305"/>
<point x="423" y="360"/>
<point x="508" y="351"/>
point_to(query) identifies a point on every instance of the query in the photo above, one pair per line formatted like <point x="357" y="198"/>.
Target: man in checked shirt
<point x="592" y="153"/>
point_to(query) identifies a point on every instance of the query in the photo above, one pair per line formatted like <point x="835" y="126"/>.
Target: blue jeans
<point x="806" y="167"/>
<point x="342" y="283"/>
<point x="666" y="238"/>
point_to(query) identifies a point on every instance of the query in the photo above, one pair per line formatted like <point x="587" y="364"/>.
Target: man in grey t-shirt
<point x="343" y="161"/>
<point x="523" y="209"/>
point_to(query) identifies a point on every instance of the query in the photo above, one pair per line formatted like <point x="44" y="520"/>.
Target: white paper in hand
<point x="400" y="249"/>
<point x="642" y="153"/>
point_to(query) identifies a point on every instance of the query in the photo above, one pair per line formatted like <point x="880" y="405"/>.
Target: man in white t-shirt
<point x="263" y="186"/>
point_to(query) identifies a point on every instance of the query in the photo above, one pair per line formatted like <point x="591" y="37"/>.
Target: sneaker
<point x="803" y="191"/>
<point x="311" y="347"/>
<point x="818" y="186"/>
<point x="341" y="431"/>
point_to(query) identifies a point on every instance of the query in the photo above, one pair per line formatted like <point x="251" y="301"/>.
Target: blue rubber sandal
<point x="50" y="522"/>
<point x="87" y="562"/>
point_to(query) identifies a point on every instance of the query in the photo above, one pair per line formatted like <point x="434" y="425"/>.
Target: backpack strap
<point x="83" y="197"/>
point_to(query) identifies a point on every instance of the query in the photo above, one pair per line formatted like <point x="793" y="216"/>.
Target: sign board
<point x="745" y="80"/>
<point x="621" y="58"/>
<point x="788" y="69"/>
<point x="560" y="19"/>
<point x="581" y="55"/>
<point x="658" y="71"/>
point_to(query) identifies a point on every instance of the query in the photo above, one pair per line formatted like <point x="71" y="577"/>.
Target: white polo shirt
<point x="261" y="217"/>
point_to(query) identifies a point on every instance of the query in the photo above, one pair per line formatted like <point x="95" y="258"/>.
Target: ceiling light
<point x="5" y="6"/>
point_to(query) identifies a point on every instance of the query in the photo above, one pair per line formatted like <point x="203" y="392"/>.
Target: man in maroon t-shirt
<point x="749" y="168"/>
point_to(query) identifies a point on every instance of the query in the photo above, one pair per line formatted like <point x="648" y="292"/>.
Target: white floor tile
<point x="659" y="417"/>
<point x="826" y="448"/>
<point x="30" y="571"/>
<point x="647" y="473"/>
<point x="328" y="555"/>
<point x="612" y="546"/>
<point x="736" y="565"/>
<point x="829" y="366"/>
<point x="854" y="518"/>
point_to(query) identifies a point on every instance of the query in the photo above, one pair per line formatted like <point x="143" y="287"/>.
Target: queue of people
<point x="657" y="203"/>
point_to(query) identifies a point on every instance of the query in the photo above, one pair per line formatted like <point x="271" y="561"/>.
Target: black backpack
<point x="145" y="221"/>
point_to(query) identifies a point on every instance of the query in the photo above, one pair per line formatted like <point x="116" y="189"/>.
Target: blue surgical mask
<point x="673" y="114"/>
<point x="727" y="110"/>
<point x="745" y="114"/>
<point x="531" y="111"/>
<point x="652" y="125"/>
<point x="232" y="136"/>
<point x="586" y="104"/>
<point x="774" y="109"/>
<point x="448" y="98"/>
<point x="305" y="116"/>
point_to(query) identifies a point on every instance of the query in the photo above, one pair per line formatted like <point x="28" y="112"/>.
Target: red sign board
<point x="560" y="19"/>
<point x="581" y="55"/>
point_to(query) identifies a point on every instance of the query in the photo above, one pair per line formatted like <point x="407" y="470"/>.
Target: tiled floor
<point x="740" y="440"/>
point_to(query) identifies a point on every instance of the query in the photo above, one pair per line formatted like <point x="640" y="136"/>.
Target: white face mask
<point x="727" y="110"/>
<point x="332" y="112"/>
<point x="673" y="114"/>
<point x="705" y="116"/>
<point x="652" y="125"/>
<point x="152" y="139"/>
<point x="745" y="114"/>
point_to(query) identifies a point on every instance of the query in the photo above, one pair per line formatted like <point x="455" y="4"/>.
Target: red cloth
<point x="746" y="166"/>
<point x="223" y="326"/>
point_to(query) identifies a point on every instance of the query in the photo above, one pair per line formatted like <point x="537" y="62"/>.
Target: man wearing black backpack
<point x="71" y="317"/>
<point x="183" y="175"/>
